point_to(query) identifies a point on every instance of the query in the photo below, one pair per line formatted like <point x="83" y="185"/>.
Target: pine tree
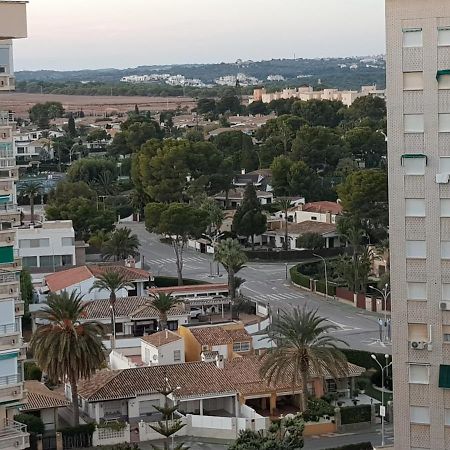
<point x="136" y="110"/>
<point x="249" y="219"/>
<point x="168" y="425"/>
<point x="71" y="126"/>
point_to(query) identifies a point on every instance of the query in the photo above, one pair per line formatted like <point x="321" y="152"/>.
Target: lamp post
<point x="173" y="435"/>
<point x="382" y="412"/>
<point x="326" y="274"/>
<point x="385" y="293"/>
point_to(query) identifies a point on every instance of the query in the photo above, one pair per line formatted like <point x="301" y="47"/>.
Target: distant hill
<point x="341" y="73"/>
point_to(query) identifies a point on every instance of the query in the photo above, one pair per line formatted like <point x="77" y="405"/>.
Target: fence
<point x="110" y="436"/>
<point x="294" y="255"/>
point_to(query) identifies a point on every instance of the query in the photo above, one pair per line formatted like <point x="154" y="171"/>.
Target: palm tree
<point x="164" y="303"/>
<point x="31" y="190"/>
<point x="121" y="245"/>
<point x="230" y="254"/>
<point x="304" y="346"/>
<point x="64" y="347"/>
<point x="284" y="204"/>
<point x="112" y="281"/>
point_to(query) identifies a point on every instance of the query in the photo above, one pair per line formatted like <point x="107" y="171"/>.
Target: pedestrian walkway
<point x="280" y="296"/>
<point x="187" y="259"/>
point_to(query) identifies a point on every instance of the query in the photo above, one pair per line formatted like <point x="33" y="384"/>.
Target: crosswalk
<point x="163" y="261"/>
<point x="279" y="296"/>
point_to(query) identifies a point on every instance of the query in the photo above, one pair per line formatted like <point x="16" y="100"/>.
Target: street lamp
<point x="173" y="435"/>
<point x="326" y="275"/>
<point x="382" y="410"/>
<point x="385" y="293"/>
<point x="383" y="133"/>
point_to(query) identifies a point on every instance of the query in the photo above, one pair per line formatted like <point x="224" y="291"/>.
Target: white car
<point x="195" y="313"/>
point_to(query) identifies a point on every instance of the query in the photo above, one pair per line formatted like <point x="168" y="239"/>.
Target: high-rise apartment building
<point x="12" y="351"/>
<point x="418" y="96"/>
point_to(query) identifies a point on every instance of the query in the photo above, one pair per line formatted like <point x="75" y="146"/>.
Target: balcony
<point x="19" y="307"/>
<point x="7" y="277"/>
<point x="12" y="174"/>
<point x="10" y="337"/>
<point x="9" y="291"/>
<point x="14" y="435"/>
<point x="13" y="20"/>
<point x="7" y="237"/>
<point x="7" y="83"/>
<point x="11" y="389"/>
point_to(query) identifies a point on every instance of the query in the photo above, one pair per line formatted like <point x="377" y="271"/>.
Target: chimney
<point x="242" y="171"/>
<point x="167" y="334"/>
<point x="130" y="262"/>
<point x="219" y="362"/>
<point x="328" y="217"/>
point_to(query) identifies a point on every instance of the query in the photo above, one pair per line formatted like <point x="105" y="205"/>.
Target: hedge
<point x="300" y="279"/>
<point x="356" y="414"/>
<point x="80" y="429"/>
<point x="361" y="446"/>
<point x="320" y="287"/>
<point x="32" y="371"/>
<point x="34" y="424"/>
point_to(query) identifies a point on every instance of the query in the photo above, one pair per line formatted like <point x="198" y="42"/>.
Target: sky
<point x="92" y="34"/>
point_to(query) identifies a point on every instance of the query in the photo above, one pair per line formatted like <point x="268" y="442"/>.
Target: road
<point x="266" y="282"/>
<point x="327" y="441"/>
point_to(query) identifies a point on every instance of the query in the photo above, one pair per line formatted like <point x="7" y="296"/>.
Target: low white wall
<point x="256" y="327"/>
<point x="107" y="436"/>
<point x="147" y="433"/>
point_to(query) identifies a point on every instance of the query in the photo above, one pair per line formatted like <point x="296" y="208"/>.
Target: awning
<point x="414" y="156"/>
<point x="444" y="376"/>
<point x="440" y="73"/>
<point x="8" y="356"/>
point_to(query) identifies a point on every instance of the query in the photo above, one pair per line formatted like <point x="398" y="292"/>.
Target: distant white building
<point x="48" y="245"/>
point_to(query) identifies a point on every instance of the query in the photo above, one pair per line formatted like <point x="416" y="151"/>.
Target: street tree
<point x="65" y="346"/>
<point x="178" y="222"/>
<point x="311" y="241"/>
<point x="284" y="204"/>
<point x="120" y="245"/>
<point x="71" y="127"/>
<point x="249" y="219"/>
<point x="231" y="255"/>
<point x="164" y="303"/>
<point x="31" y="190"/>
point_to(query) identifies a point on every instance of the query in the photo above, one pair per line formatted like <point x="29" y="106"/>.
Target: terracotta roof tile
<point x="134" y="307"/>
<point x="41" y="397"/>
<point x="323" y="207"/>
<point x="195" y="379"/>
<point x="161" y="338"/>
<point x="239" y="335"/>
<point x="130" y="273"/>
<point x="211" y="335"/>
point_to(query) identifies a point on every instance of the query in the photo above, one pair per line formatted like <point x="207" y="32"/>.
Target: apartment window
<point x="34" y="243"/>
<point x="418" y="332"/>
<point x="414" y="166"/>
<point x="446" y="333"/>
<point x="67" y="241"/>
<point x="444" y="164"/>
<point x="444" y="81"/>
<point x="47" y="261"/>
<point x="66" y="260"/>
<point x="445" y="249"/>
<point x="177" y="355"/>
<point x="29" y="261"/>
<point x="412" y="37"/>
<point x="446" y="291"/>
<point x="205" y="348"/>
<point x="445" y="207"/>
<point x="414" y="123"/>
<point x="420" y="414"/>
<point x="241" y="347"/>
<point x="416" y="249"/>
<point x="443" y="37"/>
<point x="2" y="69"/>
<point x="419" y="374"/>
<point x="446" y="417"/>
<point x="416" y="291"/>
<point x="415" y="207"/>
<point x="413" y="81"/>
<point x="444" y="123"/>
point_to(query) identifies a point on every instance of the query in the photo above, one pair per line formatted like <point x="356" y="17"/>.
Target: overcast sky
<point x="79" y="34"/>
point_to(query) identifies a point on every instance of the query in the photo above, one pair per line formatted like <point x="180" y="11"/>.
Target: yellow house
<point x="206" y="342"/>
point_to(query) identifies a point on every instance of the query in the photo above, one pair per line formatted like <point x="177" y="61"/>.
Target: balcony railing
<point x="9" y="328"/>
<point x="8" y="380"/>
<point x="14" y="435"/>
<point x="8" y="278"/>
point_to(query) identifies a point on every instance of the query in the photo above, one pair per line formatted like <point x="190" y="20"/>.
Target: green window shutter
<point x="444" y="376"/>
<point x="6" y="255"/>
<point x="442" y="72"/>
<point x="8" y="356"/>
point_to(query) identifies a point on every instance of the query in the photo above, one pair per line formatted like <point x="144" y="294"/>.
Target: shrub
<point x="80" y="429"/>
<point x="317" y="408"/>
<point x="356" y="414"/>
<point x="32" y="371"/>
<point x="34" y="424"/>
<point x="299" y="278"/>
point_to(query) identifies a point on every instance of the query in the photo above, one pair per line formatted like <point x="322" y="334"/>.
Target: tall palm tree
<point x="121" y="245"/>
<point x="164" y="303"/>
<point x="230" y="254"/>
<point x="64" y="347"/>
<point x="303" y="346"/>
<point x="284" y="204"/>
<point x="112" y="281"/>
<point x="31" y="190"/>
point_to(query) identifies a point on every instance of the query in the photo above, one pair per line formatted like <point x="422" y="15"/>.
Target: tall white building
<point x="12" y="352"/>
<point x="418" y="95"/>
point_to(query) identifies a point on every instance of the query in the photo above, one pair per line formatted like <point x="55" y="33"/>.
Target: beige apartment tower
<point x="418" y="96"/>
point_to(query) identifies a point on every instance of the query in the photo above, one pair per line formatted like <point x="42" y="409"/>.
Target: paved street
<point x="266" y="282"/>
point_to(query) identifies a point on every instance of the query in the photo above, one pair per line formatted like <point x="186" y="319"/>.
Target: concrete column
<point x="264" y="403"/>
<point x="352" y="386"/>
<point x="201" y="407"/>
<point x="222" y="311"/>
<point x="337" y="418"/>
<point x="40" y="444"/>
<point x="59" y="441"/>
<point x="236" y="406"/>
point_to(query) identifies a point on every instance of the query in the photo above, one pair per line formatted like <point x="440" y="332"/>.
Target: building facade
<point x="12" y="352"/>
<point x="418" y="95"/>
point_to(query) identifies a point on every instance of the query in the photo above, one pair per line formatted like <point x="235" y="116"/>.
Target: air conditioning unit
<point x="444" y="306"/>
<point x="418" y="345"/>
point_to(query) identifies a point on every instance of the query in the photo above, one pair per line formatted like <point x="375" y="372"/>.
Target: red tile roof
<point x="196" y="379"/>
<point x="41" y="397"/>
<point x="161" y="338"/>
<point x="323" y="207"/>
<point x="66" y="278"/>
<point x="216" y="335"/>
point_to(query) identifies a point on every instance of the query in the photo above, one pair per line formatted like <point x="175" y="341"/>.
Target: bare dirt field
<point x="20" y="103"/>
